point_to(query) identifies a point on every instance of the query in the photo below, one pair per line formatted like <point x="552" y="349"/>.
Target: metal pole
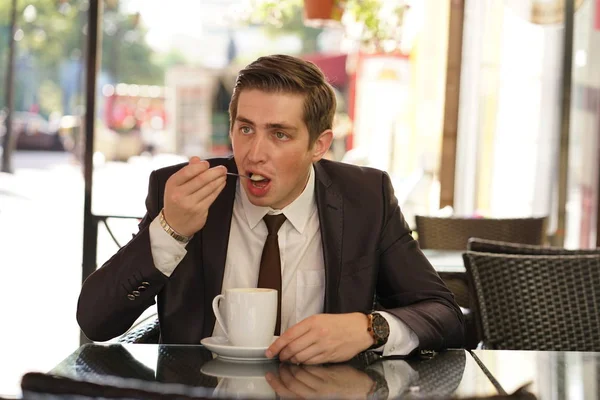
<point x="563" y="164"/>
<point x="598" y="205"/>
<point x="9" y="140"/>
<point x="90" y="224"/>
<point x="447" y="170"/>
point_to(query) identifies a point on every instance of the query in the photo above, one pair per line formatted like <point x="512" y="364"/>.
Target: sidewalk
<point x="41" y="239"/>
<point x="41" y="221"/>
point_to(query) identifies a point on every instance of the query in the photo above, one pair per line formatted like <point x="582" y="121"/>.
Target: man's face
<point x="270" y="141"/>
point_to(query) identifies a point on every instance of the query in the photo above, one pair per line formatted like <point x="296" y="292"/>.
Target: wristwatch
<point x="379" y="329"/>
<point x="380" y="389"/>
<point x="174" y="234"/>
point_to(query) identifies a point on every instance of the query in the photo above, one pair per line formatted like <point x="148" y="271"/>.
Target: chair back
<point x="453" y="233"/>
<point x="144" y="332"/>
<point x="494" y="246"/>
<point x="529" y="302"/>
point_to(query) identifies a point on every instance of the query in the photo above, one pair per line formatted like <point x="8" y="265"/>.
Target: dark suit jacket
<point x="367" y="246"/>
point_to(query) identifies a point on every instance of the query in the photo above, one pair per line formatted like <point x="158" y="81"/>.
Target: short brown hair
<point x="283" y="73"/>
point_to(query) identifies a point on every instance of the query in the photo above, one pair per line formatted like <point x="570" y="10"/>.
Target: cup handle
<point x="215" y="307"/>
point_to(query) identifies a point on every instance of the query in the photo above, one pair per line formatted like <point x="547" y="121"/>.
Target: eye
<point x="246" y="130"/>
<point x="281" y="136"/>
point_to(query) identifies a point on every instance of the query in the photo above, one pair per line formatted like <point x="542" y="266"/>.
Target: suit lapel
<point x="330" y="207"/>
<point x="215" y="239"/>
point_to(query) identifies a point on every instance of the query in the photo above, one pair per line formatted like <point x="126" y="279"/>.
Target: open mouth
<point x="258" y="180"/>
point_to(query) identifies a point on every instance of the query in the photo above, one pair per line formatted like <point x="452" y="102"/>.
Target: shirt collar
<point x="297" y="212"/>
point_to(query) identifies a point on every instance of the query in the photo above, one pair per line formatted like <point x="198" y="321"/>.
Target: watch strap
<point x="172" y="232"/>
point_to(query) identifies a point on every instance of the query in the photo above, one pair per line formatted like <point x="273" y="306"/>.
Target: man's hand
<point x="333" y="381"/>
<point x="189" y="193"/>
<point x="323" y="338"/>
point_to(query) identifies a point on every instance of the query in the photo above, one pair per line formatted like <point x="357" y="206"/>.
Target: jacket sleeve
<point x="409" y="287"/>
<point x="116" y="294"/>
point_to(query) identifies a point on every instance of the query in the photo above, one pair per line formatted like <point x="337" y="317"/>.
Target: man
<point x="342" y="240"/>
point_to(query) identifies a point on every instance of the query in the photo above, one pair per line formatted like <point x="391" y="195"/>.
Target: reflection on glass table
<point x="241" y="379"/>
<point x="165" y="371"/>
<point x="553" y="375"/>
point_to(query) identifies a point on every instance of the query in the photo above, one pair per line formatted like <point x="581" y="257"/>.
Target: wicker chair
<point x="497" y="247"/>
<point x="454" y="233"/>
<point x="537" y="302"/>
<point x="146" y="331"/>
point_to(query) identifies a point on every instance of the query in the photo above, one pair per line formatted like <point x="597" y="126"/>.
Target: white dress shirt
<point x="302" y="262"/>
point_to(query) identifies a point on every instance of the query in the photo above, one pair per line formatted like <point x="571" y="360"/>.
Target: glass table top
<point x="142" y="371"/>
<point x="138" y="370"/>
<point x="551" y="375"/>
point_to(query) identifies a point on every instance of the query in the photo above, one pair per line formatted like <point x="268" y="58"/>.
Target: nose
<point x="258" y="149"/>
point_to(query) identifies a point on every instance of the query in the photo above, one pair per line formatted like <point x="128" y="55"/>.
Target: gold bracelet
<point x="174" y="234"/>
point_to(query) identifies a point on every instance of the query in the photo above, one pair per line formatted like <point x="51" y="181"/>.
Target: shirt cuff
<point x="401" y="341"/>
<point x="167" y="252"/>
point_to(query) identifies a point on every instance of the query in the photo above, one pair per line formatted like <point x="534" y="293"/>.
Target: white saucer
<point x="221" y="347"/>
<point x="220" y="368"/>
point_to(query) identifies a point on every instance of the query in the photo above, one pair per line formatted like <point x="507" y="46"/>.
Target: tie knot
<point x="274" y="222"/>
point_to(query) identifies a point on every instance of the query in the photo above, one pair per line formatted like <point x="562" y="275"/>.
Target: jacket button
<point x="146" y="283"/>
<point x="130" y="296"/>
<point x="135" y="293"/>
<point x="141" y="288"/>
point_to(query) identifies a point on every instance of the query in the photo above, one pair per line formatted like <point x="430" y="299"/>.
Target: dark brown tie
<point x="269" y="275"/>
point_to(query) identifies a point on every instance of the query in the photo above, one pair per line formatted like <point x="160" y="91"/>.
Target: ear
<point x="322" y="144"/>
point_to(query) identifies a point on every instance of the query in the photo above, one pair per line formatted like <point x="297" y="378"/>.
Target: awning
<point x="332" y="65"/>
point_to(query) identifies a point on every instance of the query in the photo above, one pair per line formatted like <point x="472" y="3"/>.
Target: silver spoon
<point x="241" y="176"/>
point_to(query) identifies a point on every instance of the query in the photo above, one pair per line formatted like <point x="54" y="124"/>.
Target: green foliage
<point x="170" y="59"/>
<point x="276" y="14"/>
<point x="49" y="94"/>
<point x="53" y="34"/>
<point x="283" y="16"/>
<point x="58" y="33"/>
<point x="381" y="21"/>
<point x="125" y="54"/>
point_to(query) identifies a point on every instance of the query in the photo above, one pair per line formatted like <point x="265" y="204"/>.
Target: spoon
<point x="241" y="176"/>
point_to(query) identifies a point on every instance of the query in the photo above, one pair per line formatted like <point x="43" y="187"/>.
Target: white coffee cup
<point x="250" y="316"/>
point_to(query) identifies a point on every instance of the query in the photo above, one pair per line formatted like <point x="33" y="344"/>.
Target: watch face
<point x="380" y="326"/>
